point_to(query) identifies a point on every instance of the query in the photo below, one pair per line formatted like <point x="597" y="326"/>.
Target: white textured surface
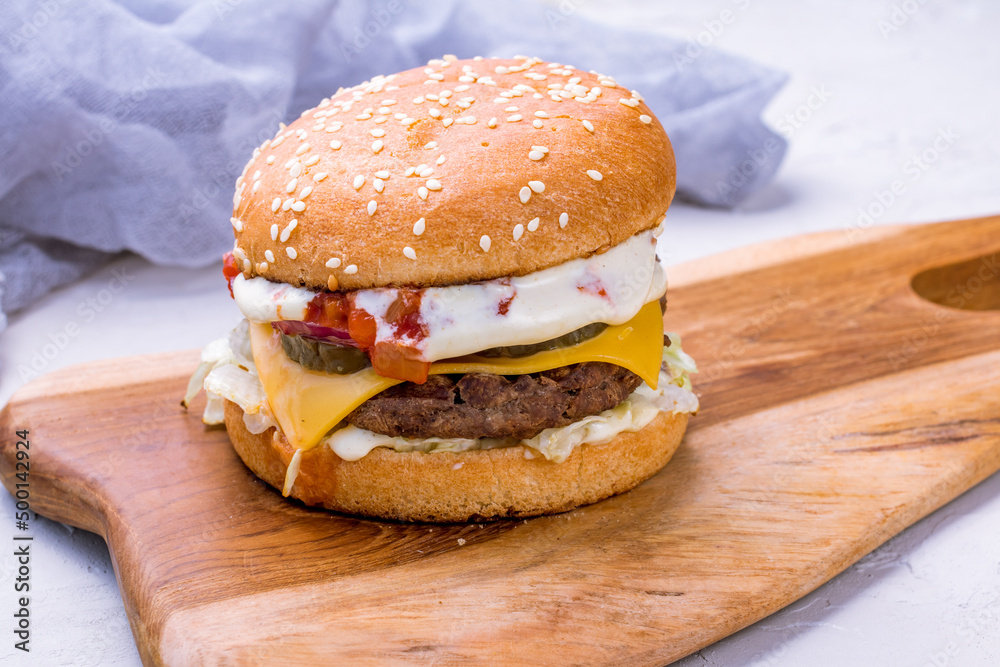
<point x="931" y="596"/>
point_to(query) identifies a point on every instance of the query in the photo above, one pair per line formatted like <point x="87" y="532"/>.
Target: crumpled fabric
<point x="126" y="123"/>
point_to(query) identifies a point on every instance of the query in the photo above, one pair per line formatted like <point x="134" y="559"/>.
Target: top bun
<point x="334" y="201"/>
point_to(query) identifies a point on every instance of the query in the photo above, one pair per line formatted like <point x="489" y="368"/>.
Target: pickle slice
<point x="319" y="356"/>
<point x="566" y="340"/>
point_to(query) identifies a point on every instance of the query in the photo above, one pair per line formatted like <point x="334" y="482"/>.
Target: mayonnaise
<point x="461" y="319"/>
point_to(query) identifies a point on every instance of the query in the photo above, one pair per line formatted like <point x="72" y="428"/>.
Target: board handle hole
<point x="973" y="284"/>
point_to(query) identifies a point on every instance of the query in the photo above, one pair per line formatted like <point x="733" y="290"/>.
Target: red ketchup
<point x="334" y="318"/>
<point x="230" y="270"/>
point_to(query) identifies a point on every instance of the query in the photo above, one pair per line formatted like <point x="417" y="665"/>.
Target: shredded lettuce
<point x="678" y="363"/>
<point x="227" y="372"/>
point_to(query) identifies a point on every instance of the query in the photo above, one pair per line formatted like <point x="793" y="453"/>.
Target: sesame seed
<point x="256" y="175"/>
<point x="536" y="155"/>
<point x="541" y="114"/>
<point x="533" y="225"/>
<point x="419" y="226"/>
<point x="422" y="192"/>
<point x="377" y="132"/>
<point x="511" y="109"/>
<point x="563" y="219"/>
<point x="274" y="232"/>
<point x="492" y="123"/>
<point x="430" y="144"/>
<point x="536" y="186"/>
<point x="541" y="149"/>
<point x="382" y="174"/>
<point x="269" y="255"/>
<point x="408" y="121"/>
<point x="524" y="194"/>
<point x="501" y="100"/>
<point x="463" y="104"/>
<point x="287" y="204"/>
<point x="298" y="206"/>
<point x="462" y="88"/>
<point x="594" y="174"/>
<point x="484" y="243"/>
<point x="270" y="159"/>
<point x="466" y="120"/>
<point x="537" y="123"/>
<point x="500" y="69"/>
<point x="306" y="191"/>
<point x="359" y="180"/>
<point x="363" y="116"/>
<point x="440" y="160"/>
<point x="426" y="171"/>
<point x="409" y="252"/>
<point x="287" y="231"/>
<point x="372" y="207"/>
<point x="291" y="185"/>
<point x="377" y="145"/>
<point x="433" y="97"/>
<point x="277" y="141"/>
<point x="409" y="171"/>
<point x="263" y="267"/>
<point x="443" y="101"/>
<point x="437" y="76"/>
<point x="587" y="124"/>
<point x="629" y="103"/>
<point x="378" y="184"/>
<point x="276" y="204"/>
<point x="302" y="149"/>
<point x="351" y="269"/>
<point x="419" y="99"/>
<point x="518" y="231"/>
<point x="388" y="103"/>
<point x="256" y="187"/>
<point x="447" y="122"/>
<point x="295" y="170"/>
<point x="319" y="176"/>
<point x="513" y="119"/>
<point x="333" y="263"/>
<point x="433" y="184"/>
<point x="645" y="119"/>
<point x="294" y="160"/>
<point x="237" y="224"/>
<point x="311" y="161"/>
<point x="335" y="145"/>
<point x="291" y="252"/>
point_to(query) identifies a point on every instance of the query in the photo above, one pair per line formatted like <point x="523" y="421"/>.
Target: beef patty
<point x="481" y="405"/>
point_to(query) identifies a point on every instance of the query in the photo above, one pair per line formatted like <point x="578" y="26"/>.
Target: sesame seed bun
<point x="346" y="216"/>
<point x="465" y="486"/>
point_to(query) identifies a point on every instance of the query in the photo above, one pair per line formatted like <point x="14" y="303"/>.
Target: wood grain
<point x="839" y="406"/>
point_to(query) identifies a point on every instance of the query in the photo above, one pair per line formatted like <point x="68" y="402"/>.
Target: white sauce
<point x="462" y="319"/>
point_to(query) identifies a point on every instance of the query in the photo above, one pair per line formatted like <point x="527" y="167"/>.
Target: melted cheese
<point x="308" y="404"/>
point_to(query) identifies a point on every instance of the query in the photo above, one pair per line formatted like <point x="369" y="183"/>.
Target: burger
<point x="452" y="298"/>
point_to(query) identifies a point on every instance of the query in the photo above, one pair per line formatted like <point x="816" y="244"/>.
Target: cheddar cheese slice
<point x="308" y="404"/>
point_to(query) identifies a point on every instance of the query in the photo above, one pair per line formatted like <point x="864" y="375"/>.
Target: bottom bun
<point x="462" y="486"/>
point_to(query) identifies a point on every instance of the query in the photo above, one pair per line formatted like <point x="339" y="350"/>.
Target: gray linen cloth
<point x="124" y="124"/>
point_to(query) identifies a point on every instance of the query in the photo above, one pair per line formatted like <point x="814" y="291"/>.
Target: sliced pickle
<point x="566" y="340"/>
<point x="318" y="356"/>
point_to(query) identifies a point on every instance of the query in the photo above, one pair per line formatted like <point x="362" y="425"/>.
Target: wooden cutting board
<point x="839" y="406"/>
